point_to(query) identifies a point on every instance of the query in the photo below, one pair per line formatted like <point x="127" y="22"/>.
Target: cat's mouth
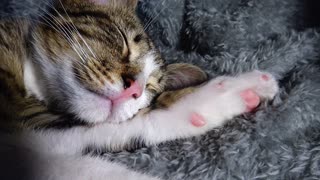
<point x="125" y="96"/>
<point x="111" y="106"/>
<point x="121" y="98"/>
<point x="133" y="92"/>
<point x="99" y="94"/>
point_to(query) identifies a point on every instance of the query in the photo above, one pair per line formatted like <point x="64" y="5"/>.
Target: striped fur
<point x="55" y="73"/>
<point x="112" y="32"/>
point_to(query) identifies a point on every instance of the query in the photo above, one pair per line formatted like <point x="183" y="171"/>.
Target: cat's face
<point x="95" y="61"/>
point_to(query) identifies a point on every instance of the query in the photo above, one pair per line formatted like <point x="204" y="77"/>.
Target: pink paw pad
<point x="265" y="77"/>
<point x="220" y="85"/>
<point x="197" y="120"/>
<point x="251" y="99"/>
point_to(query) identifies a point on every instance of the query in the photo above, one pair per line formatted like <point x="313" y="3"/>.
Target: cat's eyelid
<point x="126" y="50"/>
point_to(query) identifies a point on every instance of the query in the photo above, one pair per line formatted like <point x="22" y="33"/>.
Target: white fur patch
<point x="150" y="65"/>
<point x="63" y="149"/>
<point x="31" y="82"/>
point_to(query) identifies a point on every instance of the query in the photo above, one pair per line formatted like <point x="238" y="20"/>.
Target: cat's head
<point x="94" y="60"/>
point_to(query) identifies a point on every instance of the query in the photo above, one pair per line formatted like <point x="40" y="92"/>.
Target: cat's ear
<point x="182" y="75"/>
<point x="122" y="3"/>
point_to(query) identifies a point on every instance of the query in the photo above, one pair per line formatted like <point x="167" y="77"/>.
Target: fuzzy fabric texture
<point x="281" y="140"/>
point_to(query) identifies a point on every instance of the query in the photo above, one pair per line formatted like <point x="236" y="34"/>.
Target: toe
<point x="251" y="99"/>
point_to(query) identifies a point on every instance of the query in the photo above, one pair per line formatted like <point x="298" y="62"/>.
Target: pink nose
<point x="132" y="90"/>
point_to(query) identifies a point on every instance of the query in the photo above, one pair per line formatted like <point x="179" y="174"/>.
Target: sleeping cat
<point x="87" y="75"/>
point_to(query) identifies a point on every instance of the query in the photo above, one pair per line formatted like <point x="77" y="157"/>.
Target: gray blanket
<point x="281" y="139"/>
<point x="278" y="141"/>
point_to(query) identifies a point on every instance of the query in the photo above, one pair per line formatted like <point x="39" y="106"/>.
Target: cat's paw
<point x="225" y="97"/>
<point x="262" y="83"/>
<point x="250" y="98"/>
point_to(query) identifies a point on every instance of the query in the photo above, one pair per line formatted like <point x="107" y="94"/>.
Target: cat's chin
<point x="124" y="111"/>
<point x="96" y="109"/>
<point x="91" y="108"/>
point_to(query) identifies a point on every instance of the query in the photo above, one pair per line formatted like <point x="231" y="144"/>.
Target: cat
<point x="88" y="75"/>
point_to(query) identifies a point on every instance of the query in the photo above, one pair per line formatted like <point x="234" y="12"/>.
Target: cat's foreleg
<point x="207" y="107"/>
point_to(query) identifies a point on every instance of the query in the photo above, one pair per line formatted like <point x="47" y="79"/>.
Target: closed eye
<point x="126" y="50"/>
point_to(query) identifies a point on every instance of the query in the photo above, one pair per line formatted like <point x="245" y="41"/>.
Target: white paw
<point x="225" y="97"/>
<point x="263" y="83"/>
<point x="267" y="86"/>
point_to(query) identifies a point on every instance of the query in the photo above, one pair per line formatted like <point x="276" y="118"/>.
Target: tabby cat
<point x="87" y="75"/>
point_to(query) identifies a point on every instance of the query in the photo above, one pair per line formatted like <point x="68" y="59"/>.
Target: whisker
<point x="70" y="30"/>
<point x="151" y="20"/>
<point x="75" y="28"/>
<point x="74" y="40"/>
<point x="58" y="27"/>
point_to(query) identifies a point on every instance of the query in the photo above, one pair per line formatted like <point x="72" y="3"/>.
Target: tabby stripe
<point x="35" y="114"/>
<point x="95" y="74"/>
<point x="148" y="43"/>
<point x="98" y="68"/>
<point x="7" y="89"/>
<point x="4" y="42"/>
<point x="6" y="73"/>
<point x="92" y="36"/>
<point x="102" y="37"/>
<point x="41" y="120"/>
<point x="86" y="13"/>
